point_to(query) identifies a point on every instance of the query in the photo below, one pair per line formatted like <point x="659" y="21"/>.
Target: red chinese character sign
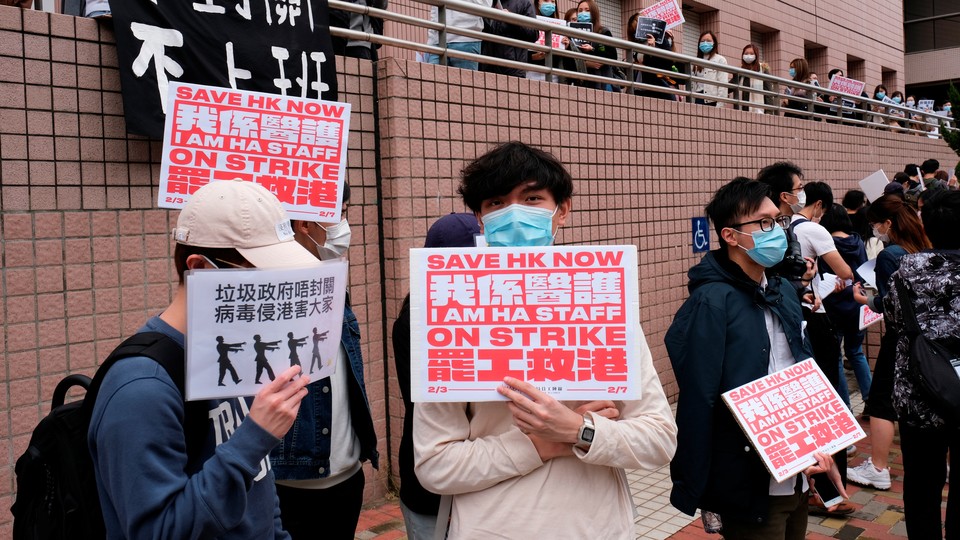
<point x="792" y="414"/>
<point x="246" y="326"/>
<point x="294" y="147"/>
<point x="566" y="319"/>
<point x="665" y="10"/>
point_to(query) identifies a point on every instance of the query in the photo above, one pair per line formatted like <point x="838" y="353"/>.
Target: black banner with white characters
<point x="275" y="46"/>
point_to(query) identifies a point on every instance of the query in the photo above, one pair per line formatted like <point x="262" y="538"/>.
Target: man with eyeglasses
<point x="166" y="469"/>
<point x="737" y="326"/>
<point x="807" y="203"/>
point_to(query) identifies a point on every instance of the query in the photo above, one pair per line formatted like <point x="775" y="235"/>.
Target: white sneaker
<point x="866" y="474"/>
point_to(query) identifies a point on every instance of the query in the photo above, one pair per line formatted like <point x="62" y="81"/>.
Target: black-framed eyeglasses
<point x="766" y="224"/>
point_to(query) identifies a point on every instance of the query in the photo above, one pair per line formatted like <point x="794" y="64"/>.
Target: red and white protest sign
<point x="565" y="319"/>
<point x="851" y="87"/>
<point x="295" y="147"/>
<point x="868" y="317"/>
<point x="665" y="10"/>
<point x="792" y="414"/>
<point x="556" y="40"/>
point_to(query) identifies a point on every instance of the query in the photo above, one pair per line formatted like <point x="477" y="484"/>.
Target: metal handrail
<point x="838" y="111"/>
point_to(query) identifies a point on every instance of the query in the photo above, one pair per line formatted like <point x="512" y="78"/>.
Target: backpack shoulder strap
<point x="170" y="355"/>
<point x="910" y="325"/>
<point x="153" y="345"/>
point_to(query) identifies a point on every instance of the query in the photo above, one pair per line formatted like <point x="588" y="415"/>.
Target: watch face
<point x="587" y="435"/>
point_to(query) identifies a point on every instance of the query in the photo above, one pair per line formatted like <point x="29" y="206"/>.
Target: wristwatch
<point x="586" y="433"/>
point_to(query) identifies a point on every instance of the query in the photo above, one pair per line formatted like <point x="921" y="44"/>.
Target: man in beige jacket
<point x="533" y="467"/>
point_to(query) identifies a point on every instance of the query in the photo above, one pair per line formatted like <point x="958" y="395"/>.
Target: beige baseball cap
<point x="245" y="216"/>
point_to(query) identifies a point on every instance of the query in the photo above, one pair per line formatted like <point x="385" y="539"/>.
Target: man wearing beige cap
<point x="166" y="469"/>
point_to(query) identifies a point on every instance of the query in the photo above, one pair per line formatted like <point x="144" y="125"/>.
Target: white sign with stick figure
<point x="246" y="325"/>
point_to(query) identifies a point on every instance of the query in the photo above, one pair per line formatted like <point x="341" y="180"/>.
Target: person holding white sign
<point x="897" y="225"/>
<point x="319" y="466"/>
<point x="157" y="477"/>
<point x="534" y="466"/>
<point x="736" y="327"/>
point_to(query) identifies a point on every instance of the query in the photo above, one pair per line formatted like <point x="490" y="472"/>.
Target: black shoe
<point x="238" y="381"/>
<point x="220" y="384"/>
<point x="257" y="382"/>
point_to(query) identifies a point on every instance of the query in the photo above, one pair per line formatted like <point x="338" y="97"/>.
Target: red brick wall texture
<point x="86" y="255"/>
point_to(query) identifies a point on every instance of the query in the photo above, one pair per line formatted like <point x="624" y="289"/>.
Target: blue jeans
<point x="464" y="46"/>
<point x="419" y="526"/>
<point x="853" y="349"/>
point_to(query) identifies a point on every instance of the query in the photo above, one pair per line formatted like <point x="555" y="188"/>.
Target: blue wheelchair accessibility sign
<point x="701" y="234"/>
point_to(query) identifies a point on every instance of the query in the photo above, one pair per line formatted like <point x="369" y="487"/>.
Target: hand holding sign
<point x="647" y="26"/>
<point x="538" y="414"/>
<point x="826" y="464"/>
<point x="275" y="407"/>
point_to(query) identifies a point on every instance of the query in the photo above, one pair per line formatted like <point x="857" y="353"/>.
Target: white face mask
<point x="338" y="241"/>
<point x="885" y="238"/>
<point x="801" y="202"/>
<point x="749" y="58"/>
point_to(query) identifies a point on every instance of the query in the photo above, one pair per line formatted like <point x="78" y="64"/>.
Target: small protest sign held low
<point x="648" y="26"/>
<point x="244" y="326"/>
<point x="556" y="40"/>
<point x="294" y="147"/>
<point x="847" y="86"/>
<point x="790" y="415"/>
<point x="665" y="10"/>
<point x="565" y="319"/>
<point x="868" y="317"/>
<point x="584" y="26"/>
<point x="925" y="105"/>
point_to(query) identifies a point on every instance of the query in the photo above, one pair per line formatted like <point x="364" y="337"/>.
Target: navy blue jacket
<point x="717" y="342"/>
<point x="305" y="449"/>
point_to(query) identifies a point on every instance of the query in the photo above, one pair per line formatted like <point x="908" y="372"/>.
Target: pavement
<point x="878" y="515"/>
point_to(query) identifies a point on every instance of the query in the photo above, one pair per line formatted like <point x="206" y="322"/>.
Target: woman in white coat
<point x="708" y="49"/>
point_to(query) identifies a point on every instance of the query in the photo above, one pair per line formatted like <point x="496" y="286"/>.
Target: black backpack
<point x="934" y="363"/>
<point x="56" y="490"/>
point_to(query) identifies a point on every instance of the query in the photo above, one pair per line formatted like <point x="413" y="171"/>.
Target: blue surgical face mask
<point x="881" y="95"/>
<point x="547" y="10"/>
<point x="911" y="103"/>
<point x="896" y="100"/>
<point x="792" y="72"/>
<point x="584" y="16"/>
<point x="946" y="108"/>
<point x="768" y="247"/>
<point x="706" y="47"/>
<point x="519" y="225"/>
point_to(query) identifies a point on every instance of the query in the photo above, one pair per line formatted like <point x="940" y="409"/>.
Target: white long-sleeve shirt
<point x="501" y="488"/>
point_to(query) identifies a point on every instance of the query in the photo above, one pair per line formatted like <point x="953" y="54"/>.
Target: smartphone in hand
<point x="824" y="488"/>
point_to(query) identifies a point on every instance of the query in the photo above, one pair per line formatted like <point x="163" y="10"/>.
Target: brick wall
<point x="86" y="254"/>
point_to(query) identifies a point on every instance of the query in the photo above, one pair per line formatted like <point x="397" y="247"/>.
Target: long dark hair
<point x="755" y="66"/>
<point x="906" y="230"/>
<point x="594" y="13"/>
<point x="716" y="44"/>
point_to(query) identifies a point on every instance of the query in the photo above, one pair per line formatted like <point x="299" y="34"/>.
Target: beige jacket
<point x="501" y="488"/>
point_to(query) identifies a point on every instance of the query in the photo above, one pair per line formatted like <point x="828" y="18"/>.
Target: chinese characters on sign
<point x="275" y="46"/>
<point x="565" y="319"/>
<point x="296" y="148"/>
<point x="556" y="40"/>
<point x="868" y="317"/>
<point x="791" y="414"/>
<point x="666" y="10"/>
<point x="851" y="87"/>
<point x="244" y="326"/>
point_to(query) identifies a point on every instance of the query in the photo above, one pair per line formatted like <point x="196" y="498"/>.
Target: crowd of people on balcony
<point x="710" y="86"/>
